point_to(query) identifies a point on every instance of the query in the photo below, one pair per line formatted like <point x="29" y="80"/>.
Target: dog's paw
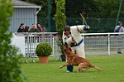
<point x="60" y="67"/>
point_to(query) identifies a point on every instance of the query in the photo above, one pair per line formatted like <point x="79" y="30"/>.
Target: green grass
<point x="112" y="71"/>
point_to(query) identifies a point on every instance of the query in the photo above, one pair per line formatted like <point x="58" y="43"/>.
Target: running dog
<point x="73" y="59"/>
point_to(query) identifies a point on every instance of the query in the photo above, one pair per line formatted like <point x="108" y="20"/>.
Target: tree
<point x="9" y="61"/>
<point x="75" y="7"/>
<point x="109" y="8"/>
<point x="60" y="20"/>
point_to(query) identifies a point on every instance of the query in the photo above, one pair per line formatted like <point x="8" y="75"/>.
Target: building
<point x="23" y="12"/>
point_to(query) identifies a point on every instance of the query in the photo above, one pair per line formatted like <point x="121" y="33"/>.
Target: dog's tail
<point x="97" y="68"/>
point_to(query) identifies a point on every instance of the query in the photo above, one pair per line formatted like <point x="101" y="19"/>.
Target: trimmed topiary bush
<point x="43" y="49"/>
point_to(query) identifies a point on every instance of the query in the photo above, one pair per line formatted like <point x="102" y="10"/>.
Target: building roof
<point x="22" y="4"/>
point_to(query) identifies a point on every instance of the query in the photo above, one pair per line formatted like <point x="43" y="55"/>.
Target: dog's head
<point x="67" y="48"/>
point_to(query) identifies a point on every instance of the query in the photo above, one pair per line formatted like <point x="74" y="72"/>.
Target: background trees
<point x="91" y="8"/>
<point x="100" y="14"/>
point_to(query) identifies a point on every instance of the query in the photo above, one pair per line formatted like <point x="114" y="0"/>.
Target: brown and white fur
<point x="73" y="59"/>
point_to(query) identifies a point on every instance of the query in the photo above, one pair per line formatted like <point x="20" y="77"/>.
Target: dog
<point x="73" y="59"/>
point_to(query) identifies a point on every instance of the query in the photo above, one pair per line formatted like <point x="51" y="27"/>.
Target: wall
<point x="22" y="15"/>
<point x="19" y="42"/>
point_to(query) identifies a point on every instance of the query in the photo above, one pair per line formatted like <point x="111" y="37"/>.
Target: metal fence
<point x="95" y="43"/>
<point x="98" y="24"/>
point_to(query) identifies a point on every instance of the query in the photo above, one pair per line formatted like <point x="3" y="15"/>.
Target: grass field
<point x="112" y="70"/>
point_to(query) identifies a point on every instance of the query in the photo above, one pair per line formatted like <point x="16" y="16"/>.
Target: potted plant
<point x="43" y="50"/>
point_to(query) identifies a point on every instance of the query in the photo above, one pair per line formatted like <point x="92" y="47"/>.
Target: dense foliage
<point x="9" y="61"/>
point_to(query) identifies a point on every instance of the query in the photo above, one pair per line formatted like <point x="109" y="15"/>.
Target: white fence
<point x="102" y="43"/>
<point x="95" y="43"/>
<point x="31" y="41"/>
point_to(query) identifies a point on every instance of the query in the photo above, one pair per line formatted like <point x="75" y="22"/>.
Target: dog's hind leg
<point x="82" y="67"/>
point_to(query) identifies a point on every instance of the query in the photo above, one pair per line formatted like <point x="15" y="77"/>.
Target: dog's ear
<point x="64" y="50"/>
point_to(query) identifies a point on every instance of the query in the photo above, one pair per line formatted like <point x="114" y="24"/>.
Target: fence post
<point x="27" y="48"/>
<point x="49" y="16"/>
<point x="119" y="10"/>
<point x="108" y="44"/>
<point x="53" y="45"/>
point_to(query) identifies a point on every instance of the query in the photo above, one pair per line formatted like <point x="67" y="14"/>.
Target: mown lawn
<point x="112" y="70"/>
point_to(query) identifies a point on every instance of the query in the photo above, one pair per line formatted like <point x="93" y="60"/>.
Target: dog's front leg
<point x="64" y="65"/>
<point x="72" y="62"/>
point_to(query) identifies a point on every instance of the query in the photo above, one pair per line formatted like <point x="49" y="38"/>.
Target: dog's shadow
<point x="87" y="71"/>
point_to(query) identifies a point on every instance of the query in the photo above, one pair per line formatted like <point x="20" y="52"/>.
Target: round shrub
<point x="43" y="49"/>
